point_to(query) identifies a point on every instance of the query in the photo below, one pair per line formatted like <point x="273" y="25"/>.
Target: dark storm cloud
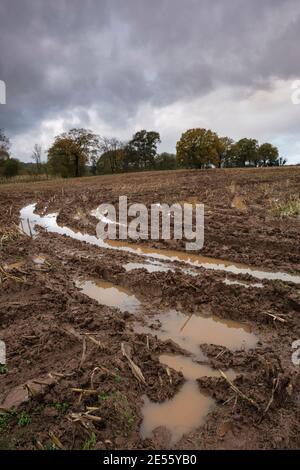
<point x="114" y="55"/>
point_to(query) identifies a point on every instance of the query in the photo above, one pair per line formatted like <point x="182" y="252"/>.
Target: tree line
<point x="10" y="166"/>
<point x="80" y="152"/>
<point x="203" y="148"/>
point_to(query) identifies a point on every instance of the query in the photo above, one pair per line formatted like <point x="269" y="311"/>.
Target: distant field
<point x="22" y="179"/>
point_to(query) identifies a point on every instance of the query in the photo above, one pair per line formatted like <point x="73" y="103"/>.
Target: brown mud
<point x="69" y="385"/>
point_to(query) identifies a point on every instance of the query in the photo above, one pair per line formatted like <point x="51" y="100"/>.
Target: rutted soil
<point x="68" y="381"/>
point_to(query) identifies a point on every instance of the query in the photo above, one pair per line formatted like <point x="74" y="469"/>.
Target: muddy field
<point x="153" y="347"/>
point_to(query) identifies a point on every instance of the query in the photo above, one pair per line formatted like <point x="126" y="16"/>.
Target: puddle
<point x="109" y="294"/>
<point x="188" y="409"/>
<point x="180" y="415"/>
<point x="150" y="267"/>
<point x="206" y="262"/>
<point x="229" y="282"/>
<point x="190" y="369"/>
<point x="29" y="220"/>
<point x="189" y="332"/>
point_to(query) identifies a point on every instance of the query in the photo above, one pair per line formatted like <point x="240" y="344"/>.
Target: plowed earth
<point x="60" y="342"/>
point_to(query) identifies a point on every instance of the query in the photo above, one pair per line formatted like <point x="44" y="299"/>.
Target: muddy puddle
<point x="230" y="282"/>
<point x="200" y="261"/>
<point x="189" y="407"/>
<point x="29" y="220"/>
<point x="149" y="266"/>
<point x="189" y="332"/>
<point x="186" y="411"/>
<point x="106" y="293"/>
<point x="190" y="369"/>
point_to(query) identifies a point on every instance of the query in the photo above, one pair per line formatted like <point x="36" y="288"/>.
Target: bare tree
<point x="109" y="146"/>
<point x="37" y="157"/>
<point x="4" y="142"/>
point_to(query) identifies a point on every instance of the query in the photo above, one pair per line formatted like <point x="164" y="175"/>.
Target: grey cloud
<point x="114" y="55"/>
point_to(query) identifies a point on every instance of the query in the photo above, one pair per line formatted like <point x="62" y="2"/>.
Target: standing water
<point x="109" y="294"/>
<point x="189" y="332"/>
<point x="29" y="220"/>
<point x="186" y="411"/>
<point x="188" y="408"/>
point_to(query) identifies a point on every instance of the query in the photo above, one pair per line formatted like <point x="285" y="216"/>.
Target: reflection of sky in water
<point x="188" y="409"/>
<point x="49" y="222"/>
<point x="190" y="332"/>
<point x="109" y="294"/>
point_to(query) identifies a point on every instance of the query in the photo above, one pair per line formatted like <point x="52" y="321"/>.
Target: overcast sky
<point x="117" y="66"/>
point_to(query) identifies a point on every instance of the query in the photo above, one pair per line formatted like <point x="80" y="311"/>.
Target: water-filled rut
<point x="29" y="220"/>
<point x="189" y="407"/>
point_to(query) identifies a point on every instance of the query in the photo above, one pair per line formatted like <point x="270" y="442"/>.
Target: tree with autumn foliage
<point x="72" y="151"/>
<point x="198" y="148"/>
<point x="268" y="155"/>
